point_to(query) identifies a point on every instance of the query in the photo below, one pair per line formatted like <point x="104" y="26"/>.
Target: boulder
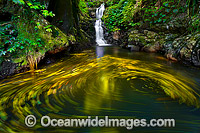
<point x="151" y="34"/>
<point x="116" y="35"/>
<point x="145" y="32"/>
<point x="134" y="48"/>
<point x="149" y="48"/>
<point x="152" y="48"/>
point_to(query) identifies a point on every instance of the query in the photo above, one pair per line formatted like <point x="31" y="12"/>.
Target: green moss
<point x="35" y="36"/>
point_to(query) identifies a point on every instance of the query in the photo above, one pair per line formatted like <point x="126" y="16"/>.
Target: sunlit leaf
<point x="18" y="1"/>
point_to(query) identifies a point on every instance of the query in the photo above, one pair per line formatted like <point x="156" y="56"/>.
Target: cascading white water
<point x="98" y="26"/>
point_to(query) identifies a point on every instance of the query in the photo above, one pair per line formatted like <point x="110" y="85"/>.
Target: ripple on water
<point x="77" y="86"/>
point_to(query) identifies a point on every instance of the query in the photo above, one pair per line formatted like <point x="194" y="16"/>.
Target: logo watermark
<point x="129" y="124"/>
<point x="30" y="121"/>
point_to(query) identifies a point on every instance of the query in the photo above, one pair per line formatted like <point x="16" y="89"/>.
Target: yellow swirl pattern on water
<point x="74" y="74"/>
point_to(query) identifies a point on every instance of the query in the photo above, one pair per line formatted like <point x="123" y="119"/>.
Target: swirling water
<point x="104" y="81"/>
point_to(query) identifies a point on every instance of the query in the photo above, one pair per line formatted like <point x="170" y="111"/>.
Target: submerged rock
<point x="134" y="48"/>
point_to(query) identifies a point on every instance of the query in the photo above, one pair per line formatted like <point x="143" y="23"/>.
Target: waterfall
<point x="98" y="26"/>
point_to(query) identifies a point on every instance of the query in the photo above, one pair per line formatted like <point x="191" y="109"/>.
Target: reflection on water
<point x="99" y="51"/>
<point x="119" y="84"/>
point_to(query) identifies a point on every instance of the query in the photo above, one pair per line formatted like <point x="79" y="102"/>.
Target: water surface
<point x="104" y="81"/>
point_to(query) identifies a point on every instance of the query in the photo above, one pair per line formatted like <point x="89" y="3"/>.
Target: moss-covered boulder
<point x="185" y="48"/>
<point x="151" y="35"/>
<point x="149" y="40"/>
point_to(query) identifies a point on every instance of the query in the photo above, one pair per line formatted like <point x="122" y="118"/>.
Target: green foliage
<point x="46" y="13"/>
<point x="91" y="4"/>
<point x="125" y="14"/>
<point x="35" y="5"/>
<point x="194" y="23"/>
<point x="18" y="1"/>
<point x="94" y="3"/>
<point x="191" y="6"/>
<point x="30" y="34"/>
<point x="114" y="16"/>
<point x="8" y="45"/>
<point x="83" y="7"/>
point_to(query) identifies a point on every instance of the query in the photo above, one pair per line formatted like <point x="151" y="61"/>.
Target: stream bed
<point x="104" y="81"/>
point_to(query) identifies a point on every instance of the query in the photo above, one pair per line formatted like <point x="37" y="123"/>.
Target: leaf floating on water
<point x="39" y="70"/>
<point x="54" y="91"/>
<point x="163" y="98"/>
<point x="49" y="92"/>
<point x="133" y="77"/>
<point x="38" y="102"/>
<point x="3" y="115"/>
<point x="58" y="83"/>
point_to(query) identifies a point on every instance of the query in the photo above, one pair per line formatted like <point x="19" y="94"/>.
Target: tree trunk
<point x="66" y="14"/>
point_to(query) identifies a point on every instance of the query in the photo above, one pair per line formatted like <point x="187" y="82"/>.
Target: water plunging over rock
<point x="98" y="27"/>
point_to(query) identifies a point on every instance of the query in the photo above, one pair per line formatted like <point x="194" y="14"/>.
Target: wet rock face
<point x="93" y="14"/>
<point x="116" y="35"/>
<point x="151" y="35"/>
<point x="148" y="41"/>
<point x="7" y="68"/>
<point x="174" y="46"/>
<point x="152" y="48"/>
<point x="112" y="38"/>
<point x="189" y="48"/>
<point x="134" y="48"/>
